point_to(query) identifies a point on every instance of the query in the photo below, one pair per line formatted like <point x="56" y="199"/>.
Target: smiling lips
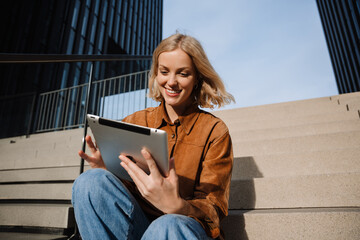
<point x="172" y="93"/>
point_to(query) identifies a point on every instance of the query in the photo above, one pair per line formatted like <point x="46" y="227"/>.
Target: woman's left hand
<point x="162" y="192"/>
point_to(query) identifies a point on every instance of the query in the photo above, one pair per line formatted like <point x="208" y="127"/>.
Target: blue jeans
<point x="105" y="209"/>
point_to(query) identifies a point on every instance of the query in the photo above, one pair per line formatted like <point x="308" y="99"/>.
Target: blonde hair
<point x="209" y="90"/>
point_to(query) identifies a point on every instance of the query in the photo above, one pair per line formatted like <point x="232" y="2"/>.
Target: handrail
<point x="57" y="58"/>
<point x="86" y="84"/>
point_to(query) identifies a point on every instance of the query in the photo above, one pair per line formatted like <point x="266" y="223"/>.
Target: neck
<point x="174" y="113"/>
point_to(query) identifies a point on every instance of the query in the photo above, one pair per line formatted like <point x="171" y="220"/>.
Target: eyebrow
<point x="181" y="69"/>
<point x="162" y="66"/>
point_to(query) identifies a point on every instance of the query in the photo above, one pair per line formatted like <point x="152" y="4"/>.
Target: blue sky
<point x="266" y="51"/>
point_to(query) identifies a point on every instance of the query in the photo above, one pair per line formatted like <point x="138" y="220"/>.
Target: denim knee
<point x="91" y="183"/>
<point x="86" y="176"/>
<point x="86" y="182"/>
<point x="170" y="220"/>
<point x="89" y="178"/>
<point x="104" y="208"/>
<point x="175" y="226"/>
<point x="99" y="185"/>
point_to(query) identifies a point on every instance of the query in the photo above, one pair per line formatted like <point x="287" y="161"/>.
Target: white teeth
<point x="172" y="91"/>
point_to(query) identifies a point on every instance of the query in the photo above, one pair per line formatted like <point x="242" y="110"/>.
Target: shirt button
<point x="172" y="136"/>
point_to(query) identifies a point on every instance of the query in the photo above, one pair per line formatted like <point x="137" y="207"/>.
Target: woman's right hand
<point x="95" y="160"/>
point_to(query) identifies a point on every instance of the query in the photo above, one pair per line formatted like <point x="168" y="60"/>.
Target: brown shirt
<point x="201" y="146"/>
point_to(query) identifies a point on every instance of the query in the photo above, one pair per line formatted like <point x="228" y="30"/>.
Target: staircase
<point x="36" y="176"/>
<point x="296" y="170"/>
<point x="296" y="174"/>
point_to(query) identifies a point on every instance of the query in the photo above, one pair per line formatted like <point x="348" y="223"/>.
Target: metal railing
<point x="112" y="98"/>
<point x="67" y="108"/>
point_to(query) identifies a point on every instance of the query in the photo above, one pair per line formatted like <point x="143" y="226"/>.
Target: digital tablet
<point x="114" y="138"/>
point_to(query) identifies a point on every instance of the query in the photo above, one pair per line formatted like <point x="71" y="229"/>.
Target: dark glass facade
<point x="132" y="27"/>
<point x="341" y="23"/>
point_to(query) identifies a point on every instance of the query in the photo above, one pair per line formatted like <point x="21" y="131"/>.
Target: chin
<point x="172" y="102"/>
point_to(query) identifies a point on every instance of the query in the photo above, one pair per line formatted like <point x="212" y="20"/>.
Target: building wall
<point x="341" y="23"/>
<point x="131" y="27"/>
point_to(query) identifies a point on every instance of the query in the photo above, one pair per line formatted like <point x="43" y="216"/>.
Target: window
<point x="104" y="11"/>
<point x="71" y="41"/>
<point x="97" y="7"/>
<point x="112" y="10"/>
<point x="85" y="21"/>
<point x="65" y="76"/>
<point x="101" y="37"/>
<point x="75" y="14"/>
<point x="81" y="45"/>
<point x="93" y="30"/>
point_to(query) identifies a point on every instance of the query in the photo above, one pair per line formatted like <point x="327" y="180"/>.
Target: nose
<point x="172" y="81"/>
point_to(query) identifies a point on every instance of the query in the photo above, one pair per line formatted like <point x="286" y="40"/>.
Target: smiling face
<point x="176" y="80"/>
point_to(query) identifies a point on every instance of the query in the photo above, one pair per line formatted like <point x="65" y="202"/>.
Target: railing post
<point x="32" y="115"/>
<point x="87" y="102"/>
<point x="146" y="87"/>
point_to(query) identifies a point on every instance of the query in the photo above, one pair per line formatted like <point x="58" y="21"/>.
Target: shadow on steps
<point x="234" y="224"/>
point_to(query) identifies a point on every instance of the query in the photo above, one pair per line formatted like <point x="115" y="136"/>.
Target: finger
<point x="135" y="169"/>
<point x="84" y="156"/>
<point x="139" y="184"/>
<point x="172" y="173"/>
<point x="133" y="176"/>
<point x="133" y="172"/>
<point x="90" y="144"/>
<point x="154" y="171"/>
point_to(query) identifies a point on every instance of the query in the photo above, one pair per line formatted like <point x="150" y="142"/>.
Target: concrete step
<point x="43" y="191"/>
<point x="352" y="105"/>
<point x="345" y="97"/>
<point x="282" y="110"/>
<point x="326" y="190"/>
<point x="294" y="131"/>
<point x="37" y="215"/>
<point x="295" y="224"/>
<point x="55" y="149"/>
<point x="289" y="164"/>
<point x="276" y="192"/>
<point x="41" y="174"/>
<point x="332" y="141"/>
<point x="30" y="236"/>
<point x="351" y="101"/>
<point x="67" y="136"/>
<point x="246" y="123"/>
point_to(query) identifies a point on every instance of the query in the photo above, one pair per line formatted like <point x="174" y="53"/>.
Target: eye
<point x="184" y="74"/>
<point x="163" y="72"/>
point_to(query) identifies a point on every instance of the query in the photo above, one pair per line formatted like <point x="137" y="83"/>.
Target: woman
<point x="188" y="203"/>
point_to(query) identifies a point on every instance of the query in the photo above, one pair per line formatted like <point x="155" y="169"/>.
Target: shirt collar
<point x="187" y="120"/>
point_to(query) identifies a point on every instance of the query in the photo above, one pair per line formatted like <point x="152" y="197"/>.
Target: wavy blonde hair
<point x="209" y="90"/>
